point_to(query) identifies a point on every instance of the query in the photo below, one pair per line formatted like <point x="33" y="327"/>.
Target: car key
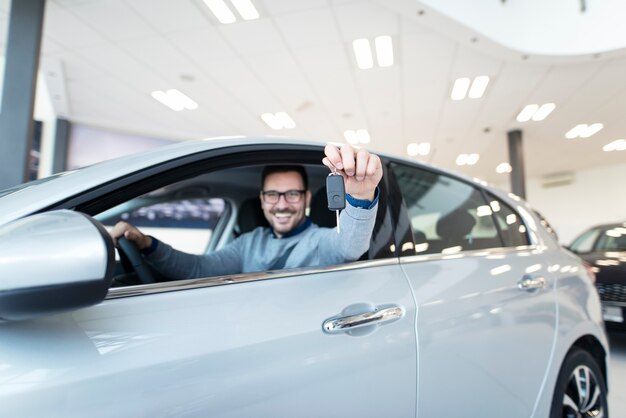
<point x="335" y="193"/>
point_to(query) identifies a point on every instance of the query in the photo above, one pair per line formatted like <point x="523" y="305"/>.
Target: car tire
<point x="580" y="390"/>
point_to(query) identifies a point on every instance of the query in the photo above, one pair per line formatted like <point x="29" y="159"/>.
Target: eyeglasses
<point x="291" y="196"/>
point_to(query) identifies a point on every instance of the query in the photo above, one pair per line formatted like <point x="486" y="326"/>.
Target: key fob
<point x="335" y="192"/>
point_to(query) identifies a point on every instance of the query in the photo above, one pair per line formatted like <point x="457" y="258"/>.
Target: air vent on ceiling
<point x="557" y="179"/>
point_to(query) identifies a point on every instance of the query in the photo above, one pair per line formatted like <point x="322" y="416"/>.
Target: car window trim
<point x="154" y="177"/>
<point x="485" y="194"/>
<point x="178" y="285"/>
<point x="521" y="250"/>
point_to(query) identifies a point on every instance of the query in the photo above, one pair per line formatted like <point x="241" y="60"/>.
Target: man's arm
<point x="178" y="265"/>
<point x="362" y="172"/>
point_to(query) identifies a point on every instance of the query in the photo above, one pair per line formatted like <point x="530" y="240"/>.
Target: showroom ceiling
<point x="298" y="58"/>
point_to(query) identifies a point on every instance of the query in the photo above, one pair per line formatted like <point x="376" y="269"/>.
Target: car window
<point x="512" y="228"/>
<point x="613" y="239"/>
<point x="446" y="215"/>
<point x="185" y="224"/>
<point x="584" y="243"/>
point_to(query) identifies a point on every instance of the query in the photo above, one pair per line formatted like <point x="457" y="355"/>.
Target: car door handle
<point x="380" y="315"/>
<point x="531" y="283"/>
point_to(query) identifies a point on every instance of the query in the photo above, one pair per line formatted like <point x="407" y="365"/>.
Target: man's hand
<point x="130" y="233"/>
<point x="361" y="170"/>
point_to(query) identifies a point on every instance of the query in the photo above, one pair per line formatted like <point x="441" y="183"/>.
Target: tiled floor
<point x="617" y="376"/>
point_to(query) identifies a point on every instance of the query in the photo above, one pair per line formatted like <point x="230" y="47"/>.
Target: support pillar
<point x="516" y="159"/>
<point x="61" y="143"/>
<point x="18" y="93"/>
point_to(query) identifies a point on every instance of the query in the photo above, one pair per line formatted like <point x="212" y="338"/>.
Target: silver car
<point x="464" y="305"/>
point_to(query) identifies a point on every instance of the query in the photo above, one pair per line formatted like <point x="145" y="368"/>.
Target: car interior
<point x="206" y="212"/>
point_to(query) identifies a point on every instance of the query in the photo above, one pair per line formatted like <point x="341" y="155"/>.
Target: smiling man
<point x="292" y="240"/>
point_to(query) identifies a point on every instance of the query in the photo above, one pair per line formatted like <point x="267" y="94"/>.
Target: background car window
<point x="512" y="228"/>
<point x="447" y="216"/>
<point x="584" y="243"/>
<point x="612" y="239"/>
<point x="185" y="224"/>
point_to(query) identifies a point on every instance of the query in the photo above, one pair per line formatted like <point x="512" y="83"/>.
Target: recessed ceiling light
<point x="504" y="168"/>
<point x="467" y="159"/>
<point x="363" y="136"/>
<point x="359" y="136"/>
<point x="279" y="120"/>
<point x="221" y="11"/>
<point x="363" y="53"/>
<point x="479" y="85"/>
<point x="472" y="159"/>
<point x="175" y="100"/>
<point x="351" y="137"/>
<point x="592" y="130"/>
<point x="414" y="149"/>
<point x="575" y="131"/>
<point x="246" y="9"/>
<point x="285" y="120"/>
<point x="527" y="112"/>
<point x="271" y="120"/>
<point x="584" y="130"/>
<point x="543" y="111"/>
<point x="617" y="145"/>
<point x="384" y="51"/>
<point x="459" y="90"/>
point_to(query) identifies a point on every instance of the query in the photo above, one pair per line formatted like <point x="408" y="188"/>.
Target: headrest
<point x="250" y="215"/>
<point x="456" y="225"/>
<point x="320" y="215"/>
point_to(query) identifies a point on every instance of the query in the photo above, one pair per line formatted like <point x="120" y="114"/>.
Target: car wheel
<point x="580" y="390"/>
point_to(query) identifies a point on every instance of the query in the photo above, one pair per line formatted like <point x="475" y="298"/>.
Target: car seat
<point x="454" y="229"/>
<point x="250" y="216"/>
<point x="320" y="215"/>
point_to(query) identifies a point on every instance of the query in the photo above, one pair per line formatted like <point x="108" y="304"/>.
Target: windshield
<point x="611" y="238"/>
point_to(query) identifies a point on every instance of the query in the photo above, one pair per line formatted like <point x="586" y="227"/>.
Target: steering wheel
<point x="133" y="261"/>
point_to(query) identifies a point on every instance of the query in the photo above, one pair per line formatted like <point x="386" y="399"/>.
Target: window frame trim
<point x="214" y="281"/>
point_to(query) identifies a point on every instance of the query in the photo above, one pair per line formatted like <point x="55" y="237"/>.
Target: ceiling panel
<point x="365" y="20"/>
<point x="113" y="19"/>
<point x="166" y="16"/>
<point x="69" y="31"/>
<point x="244" y="84"/>
<point x="206" y="47"/>
<point x="160" y="56"/>
<point x="280" y="7"/>
<point x="308" y="29"/>
<point x="254" y="37"/>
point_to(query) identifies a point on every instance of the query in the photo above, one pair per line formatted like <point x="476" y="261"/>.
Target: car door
<point x="230" y="347"/>
<point x="259" y="344"/>
<point x="486" y="308"/>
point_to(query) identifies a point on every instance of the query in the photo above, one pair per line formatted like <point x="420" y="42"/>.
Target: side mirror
<point x="53" y="262"/>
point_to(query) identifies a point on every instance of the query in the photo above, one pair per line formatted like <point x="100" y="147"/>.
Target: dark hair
<point x="272" y="169"/>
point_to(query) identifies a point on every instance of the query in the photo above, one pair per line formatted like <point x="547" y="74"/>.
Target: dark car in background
<point x="604" y="248"/>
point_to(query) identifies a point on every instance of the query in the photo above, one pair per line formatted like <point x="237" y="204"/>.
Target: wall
<point x="89" y="145"/>
<point x="595" y="196"/>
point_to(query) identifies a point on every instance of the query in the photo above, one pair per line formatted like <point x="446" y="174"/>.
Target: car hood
<point x="609" y="266"/>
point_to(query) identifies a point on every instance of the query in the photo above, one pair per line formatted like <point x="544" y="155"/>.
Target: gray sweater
<point x="261" y="250"/>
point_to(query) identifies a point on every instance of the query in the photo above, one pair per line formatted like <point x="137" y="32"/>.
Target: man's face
<point x="283" y="215"/>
